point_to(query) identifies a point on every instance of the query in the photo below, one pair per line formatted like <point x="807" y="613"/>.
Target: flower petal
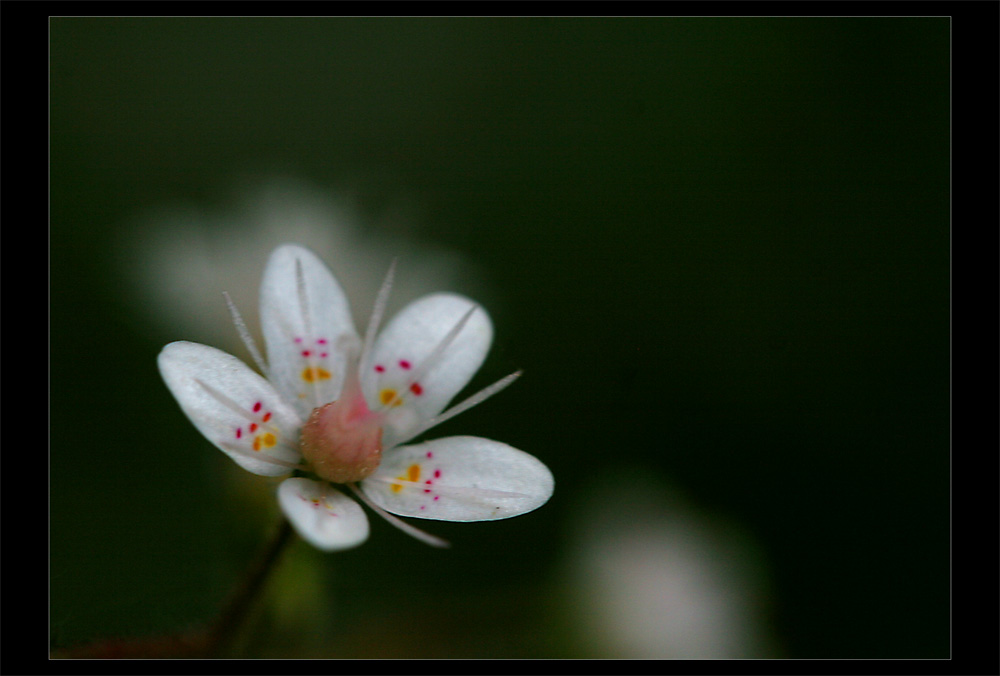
<point x="233" y="406"/>
<point x="307" y="327"/>
<point x="423" y="358"/>
<point x="459" y="479"/>
<point x="324" y="517"/>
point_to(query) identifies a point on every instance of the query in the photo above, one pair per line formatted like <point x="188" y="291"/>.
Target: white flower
<point x="655" y="577"/>
<point x="336" y="411"/>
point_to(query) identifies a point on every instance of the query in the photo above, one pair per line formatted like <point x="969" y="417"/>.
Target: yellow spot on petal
<point x="256" y="443"/>
<point x="388" y="395"/>
<point x="314" y="373"/>
<point x="412" y="474"/>
<point x="269" y="440"/>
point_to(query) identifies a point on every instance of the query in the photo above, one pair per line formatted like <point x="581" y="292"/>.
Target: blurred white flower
<point x="652" y="578"/>
<point x="224" y="251"/>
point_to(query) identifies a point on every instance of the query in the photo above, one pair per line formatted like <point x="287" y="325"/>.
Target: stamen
<point x="239" y="410"/>
<point x="300" y="287"/>
<point x="226" y="401"/>
<point x="430" y="360"/>
<point x="245" y="336"/>
<point x="263" y="457"/>
<point x="412" y="531"/>
<point x="468" y="403"/>
<point x="452" y="491"/>
<point x="377" y="311"/>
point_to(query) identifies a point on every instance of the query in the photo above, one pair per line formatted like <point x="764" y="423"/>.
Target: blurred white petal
<point x="652" y="578"/>
<point x="179" y="259"/>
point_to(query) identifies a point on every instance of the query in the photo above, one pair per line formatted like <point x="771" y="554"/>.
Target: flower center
<point x="342" y="441"/>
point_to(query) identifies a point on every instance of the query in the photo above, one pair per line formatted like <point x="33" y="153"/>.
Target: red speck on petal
<point x="256" y="407"/>
<point x="239" y="432"/>
<point x="416" y="389"/>
<point x="437" y="474"/>
<point x="379" y="368"/>
<point x="403" y="364"/>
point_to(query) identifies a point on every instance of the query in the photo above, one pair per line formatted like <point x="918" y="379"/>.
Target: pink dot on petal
<point x="239" y="432"/>
<point x="379" y="368"/>
<point x="403" y="364"/>
<point x="323" y="354"/>
<point x="321" y="341"/>
<point x="298" y="340"/>
<point x="437" y="474"/>
<point x="430" y="454"/>
<point x="256" y="407"/>
<point x="437" y="497"/>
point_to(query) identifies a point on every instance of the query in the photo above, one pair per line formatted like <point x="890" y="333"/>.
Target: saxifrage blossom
<point x="333" y="410"/>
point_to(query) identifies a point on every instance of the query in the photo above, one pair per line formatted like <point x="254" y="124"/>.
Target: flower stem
<point x="220" y="634"/>
<point x="212" y="641"/>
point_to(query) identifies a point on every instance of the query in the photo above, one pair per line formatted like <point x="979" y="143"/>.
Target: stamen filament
<point x="248" y="416"/>
<point x="301" y="291"/>
<point x="445" y="489"/>
<point x="410" y="530"/>
<point x="377" y="311"/>
<point x="227" y="402"/>
<point x="245" y="336"/>
<point x="300" y="288"/>
<point x="430" y="360"/>
<point x="263" y="457"/>
<point x="477" y="398"/>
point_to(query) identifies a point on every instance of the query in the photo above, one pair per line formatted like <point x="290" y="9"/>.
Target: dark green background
<point x="722" y="248"/>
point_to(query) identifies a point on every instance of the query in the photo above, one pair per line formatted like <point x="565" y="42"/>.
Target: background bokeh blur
<point x="719" y="249"/>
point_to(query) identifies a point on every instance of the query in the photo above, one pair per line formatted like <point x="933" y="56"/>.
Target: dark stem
<point x="221" y="634"/>
<point x="213" y="641"/>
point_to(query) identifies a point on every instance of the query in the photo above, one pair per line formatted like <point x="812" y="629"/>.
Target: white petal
<point x="324" y="517"/>
<point x="307" y="327"/>
<point x="420" y="359"/>
<point x="233" y="406"/>
<point x="459" y="479"/>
